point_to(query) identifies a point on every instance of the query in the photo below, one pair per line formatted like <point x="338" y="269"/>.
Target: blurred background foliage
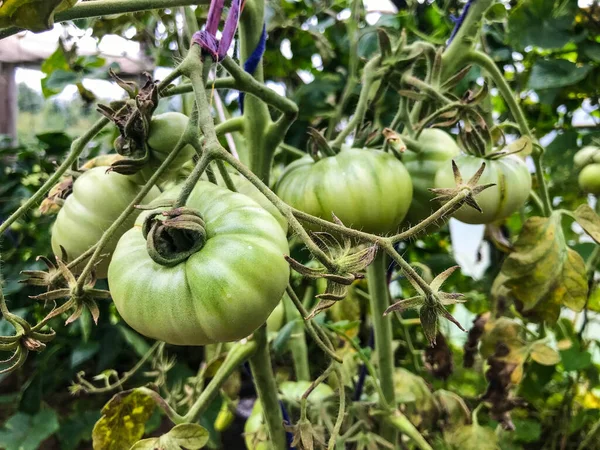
<point x="549" y="50"/>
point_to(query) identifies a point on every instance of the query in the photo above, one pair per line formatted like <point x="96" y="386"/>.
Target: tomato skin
<point x="366" y="189"/>
<point x="589" y="179"/>
<point x="243" y="186"/>
<point x="438" y="148"/>
<point x="512" y="186"/>
<point x="587" y="155"/>
<point x="221" y="293"/>
<point x="165" y="131"/>
<point x="97" y="200"/>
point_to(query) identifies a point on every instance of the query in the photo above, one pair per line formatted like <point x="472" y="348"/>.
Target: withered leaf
<point x="543" y="273"/>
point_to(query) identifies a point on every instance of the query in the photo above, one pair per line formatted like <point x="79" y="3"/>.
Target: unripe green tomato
<point x="165" y="131"/>
<point x="98" y="199"/>
<point x="275" y="320"/>
<point x="438" y="148"/>
<point x="366" y="189"/>
<point x="222" y="292"/>
<point x="512" y="186"/>
<point x="587" y="155"/>
<point x="589" y="179"/>
<point x="245" y="187"/>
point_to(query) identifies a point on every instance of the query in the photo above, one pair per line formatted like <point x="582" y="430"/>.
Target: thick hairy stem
<point x="107" y="7"/>
<point x="378" y="290"/>
<point x="192" y="180"/>
<point x="77" y="147"/>
<point x="297" y="343"/>
<point x="260" y="364"/>
<point x="238" y="354"/>
<point x="454" y="56"/>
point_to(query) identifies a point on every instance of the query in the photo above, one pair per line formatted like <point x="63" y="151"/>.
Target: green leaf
<point x="541" y="23"/>
<point x="34" y="15"/>
<point x="556" y="73"/>
<point x="543" y="354"/>
<point x="542" y="273"/>
<point x="77" y="428"/>
<point x="59" y="79"/>
<point x="283" y="337"/>
<point x="84" y="352"/>
<point x="135" y="340"/>
<point x="123" y="421"/>
<point x="473" y="437"/>
<point x="574" y="359"/>
<point x="496" y="13"/>
<point x="589" y="221"/>
<point x="189" y="435"/>
<point x="25" y="432"/>
<point x="527" y="430"/>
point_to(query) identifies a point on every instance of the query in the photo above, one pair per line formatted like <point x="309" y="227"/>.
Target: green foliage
<point x="26" y="432"/>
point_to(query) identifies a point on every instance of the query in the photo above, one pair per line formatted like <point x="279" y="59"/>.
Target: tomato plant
<point x="272" y="219"/>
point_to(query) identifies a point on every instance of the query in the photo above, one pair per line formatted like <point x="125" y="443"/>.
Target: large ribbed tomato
<point x="221" y="293"/>
<point x="437" y="148"/>
<point x="512" y="186"/>
<point x="97" y="200"/>
<point x="366" y="189"/>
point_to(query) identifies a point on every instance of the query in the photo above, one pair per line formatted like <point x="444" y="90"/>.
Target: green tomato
<point x="366" y="189"/>
<point x="589" y="179"/>
<point x="587" y="155"/>
<point x="165" y="131"/>
<point x="438" y="148"/>
<point x="98" y="199"/>
<point x="512" y="186"/>
<point x="221" y="293"/>
<point x="243" y="186"/>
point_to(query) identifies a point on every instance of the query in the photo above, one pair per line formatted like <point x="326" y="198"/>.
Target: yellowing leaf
<point x="34" y="15"/>
<point x="517" y="375"/>
<point x="543" y="354"/>
<point x="123" y="420"/>
<point x="542" y="273"/>
<point x="472" y="437"/>
<point x="589" y="221"/>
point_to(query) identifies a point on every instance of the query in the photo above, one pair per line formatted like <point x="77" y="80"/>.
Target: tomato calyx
<point x="26" y="339"/>
<point x="79" y="296"/>
<point x="348" y="263"/>
<point x="173" y="236"/>
<point x="132" y="118"/>
<point x="444" y="195"/>
<point x="432" y="305"/>
<point x="41" y="277"/>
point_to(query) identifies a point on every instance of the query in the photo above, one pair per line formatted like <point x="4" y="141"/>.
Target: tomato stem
<point x="382" y="326"/>
<point x="297" y="343"/>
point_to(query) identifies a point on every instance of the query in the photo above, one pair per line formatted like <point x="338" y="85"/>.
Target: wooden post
<point x="8" y="100"/>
